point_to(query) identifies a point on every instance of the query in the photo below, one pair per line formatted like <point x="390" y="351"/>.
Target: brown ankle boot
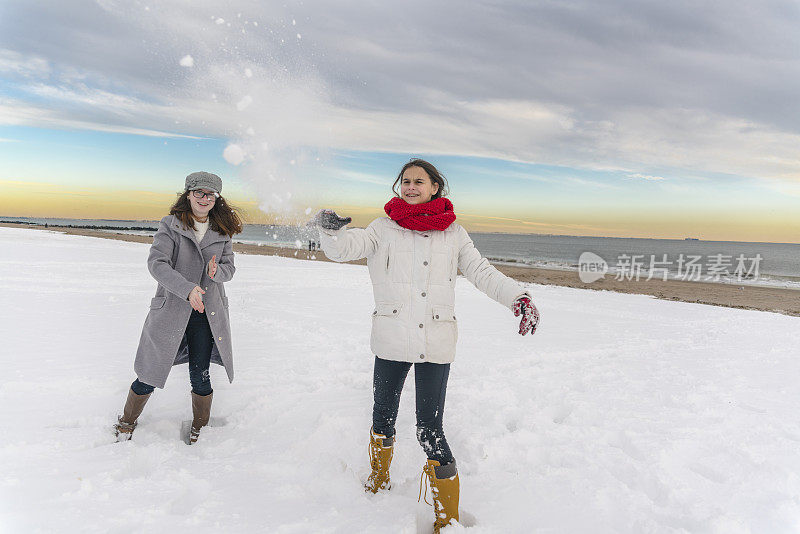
<point x="126" y="423"/>
<point x="444" y="489"/>
<point x="201" y="411"/>
<point x="381" y="449"/>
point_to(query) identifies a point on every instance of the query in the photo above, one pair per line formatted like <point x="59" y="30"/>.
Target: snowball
<point x="220" y="21"/>
<point x="187" y="61"/>
<point x="298" y="244"/>
<point x="248" y="73"/>
<point x="233" y="154"/>
<point x="244" y="103"/>
<point x="299" y="36"/>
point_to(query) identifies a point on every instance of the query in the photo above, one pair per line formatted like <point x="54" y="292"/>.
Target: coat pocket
<point x="389" y="336"/>
<point x="443" y="333"/>
<point x="443" y="313"/>
<point x="157" y="303"/>
<point x="387" y="310"/>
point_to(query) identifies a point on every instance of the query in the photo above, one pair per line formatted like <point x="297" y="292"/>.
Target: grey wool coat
<point x="178" y="263"/>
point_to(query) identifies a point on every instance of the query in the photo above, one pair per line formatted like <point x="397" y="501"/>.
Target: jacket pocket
<point x="157" y="303"/>
<point x="443" y="313"/>
<point x="443" y="332"/>
<point x="387" y="310"/>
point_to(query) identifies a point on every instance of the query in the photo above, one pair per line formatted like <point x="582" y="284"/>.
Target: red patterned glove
<point x="530" y="315"/>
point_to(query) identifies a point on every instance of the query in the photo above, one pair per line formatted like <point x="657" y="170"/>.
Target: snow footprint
<point x="557" y="414"/>
<point x="709" y="473"/>
<point x="621" y="441"/>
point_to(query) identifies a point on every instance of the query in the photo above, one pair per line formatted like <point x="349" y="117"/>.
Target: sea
<point x="766" y="264"/>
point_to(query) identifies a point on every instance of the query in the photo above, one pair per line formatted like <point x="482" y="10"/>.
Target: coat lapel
<point x="177" y="225"/>
<point x="210" y="238"/>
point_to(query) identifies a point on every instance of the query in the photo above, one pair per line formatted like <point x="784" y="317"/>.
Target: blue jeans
<point x="200" y="340"/>
<point x="431" y="385"/>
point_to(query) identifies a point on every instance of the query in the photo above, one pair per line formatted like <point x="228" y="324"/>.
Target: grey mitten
<point x="330" y="221"/>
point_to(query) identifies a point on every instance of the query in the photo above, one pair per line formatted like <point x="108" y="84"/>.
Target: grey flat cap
<point x="204" y="180"/>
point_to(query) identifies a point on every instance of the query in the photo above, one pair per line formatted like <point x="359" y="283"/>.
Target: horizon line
<point x="474" y="232"/>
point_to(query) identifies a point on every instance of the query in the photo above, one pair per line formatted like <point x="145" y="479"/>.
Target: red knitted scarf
<point x="436" y="214"/>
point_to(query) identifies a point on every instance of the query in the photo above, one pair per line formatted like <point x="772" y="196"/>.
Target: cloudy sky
<point x="621" y="118"/>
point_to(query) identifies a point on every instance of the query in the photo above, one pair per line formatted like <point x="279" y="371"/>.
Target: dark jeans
<point x="200" y="340"/>
<point x="431" y="385"/>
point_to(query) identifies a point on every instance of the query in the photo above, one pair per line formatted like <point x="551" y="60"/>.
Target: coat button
<point x="421" y="325"/>
<point x="424" y="294"/>
<point x="212" y="313"/>
<point x="425" y="263"/>
<point x="426" y="235"/>
<point x="436" y="316"/>
<point x="394" y="311"/>
<point x="220" y="338"/>
<point x="422" y="356"/>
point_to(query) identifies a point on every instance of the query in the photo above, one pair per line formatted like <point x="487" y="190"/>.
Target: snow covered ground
<point x="623" y="414"/>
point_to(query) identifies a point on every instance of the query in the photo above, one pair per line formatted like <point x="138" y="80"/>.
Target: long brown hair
<point x="223" y="217"/>
<point x="435" y="176"/>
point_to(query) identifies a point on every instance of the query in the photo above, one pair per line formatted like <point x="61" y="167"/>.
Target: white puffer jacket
<point x="413" y="280"/>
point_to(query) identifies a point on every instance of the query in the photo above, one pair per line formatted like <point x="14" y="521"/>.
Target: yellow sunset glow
<point x="40" y="199"/>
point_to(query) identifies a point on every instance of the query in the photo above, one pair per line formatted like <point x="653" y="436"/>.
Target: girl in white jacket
<point x="413" y="256"/>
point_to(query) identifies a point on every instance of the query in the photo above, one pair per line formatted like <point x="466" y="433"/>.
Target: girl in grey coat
<point x="191" y="257"/>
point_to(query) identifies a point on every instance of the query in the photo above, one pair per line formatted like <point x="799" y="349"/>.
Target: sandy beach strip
<point x="779" y="300"/>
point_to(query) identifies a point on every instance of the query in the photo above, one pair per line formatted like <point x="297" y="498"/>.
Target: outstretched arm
<point x="495" y="284"/>
<point x="340" y="244"/>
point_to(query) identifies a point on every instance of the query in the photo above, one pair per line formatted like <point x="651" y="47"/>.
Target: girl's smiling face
<point x="416" y="187"/>
<point x="201" y="206"/>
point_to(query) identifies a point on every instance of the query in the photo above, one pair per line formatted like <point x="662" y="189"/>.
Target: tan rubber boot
<point x="201" y="411"/>
<point x="126" y="423"/>
<point x="381" y="449"/>
<point x="444" y="489"/>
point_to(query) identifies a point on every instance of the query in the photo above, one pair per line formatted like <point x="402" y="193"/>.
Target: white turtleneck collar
<point x="200" y="229"/>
